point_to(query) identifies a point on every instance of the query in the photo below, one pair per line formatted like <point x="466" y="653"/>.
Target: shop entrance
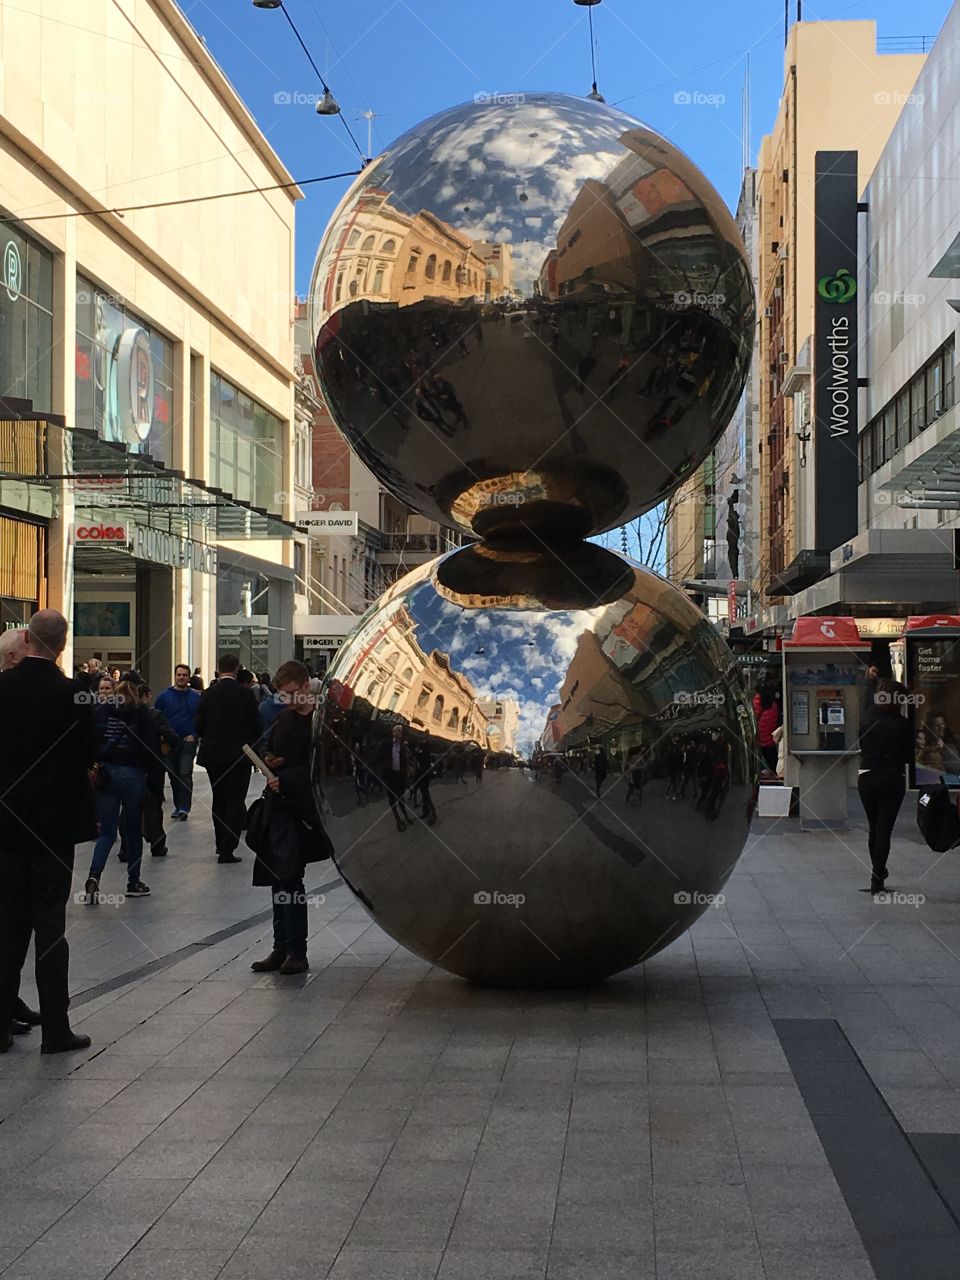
<point x="123" y="613"/>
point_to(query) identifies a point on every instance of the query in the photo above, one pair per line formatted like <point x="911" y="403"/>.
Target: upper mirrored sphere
<point x="535" y="771"/>
<point x="532" y="312"/>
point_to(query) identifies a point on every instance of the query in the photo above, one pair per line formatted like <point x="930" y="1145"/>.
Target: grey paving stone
<point x="492" y="1264"/>
<point x="361" y="1263"/>
<point x="171" y="1264"/>
<point x="606" y="1265"/>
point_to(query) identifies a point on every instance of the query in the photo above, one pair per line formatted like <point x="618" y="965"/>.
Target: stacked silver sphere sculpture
<point x="533" y="319"/>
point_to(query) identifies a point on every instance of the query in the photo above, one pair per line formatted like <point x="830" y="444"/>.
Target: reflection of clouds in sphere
<point x="600" y="876"/>
<point x="532" y="315"/>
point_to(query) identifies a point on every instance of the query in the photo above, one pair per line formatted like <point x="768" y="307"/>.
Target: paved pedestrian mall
<point x="775" y="1096"/>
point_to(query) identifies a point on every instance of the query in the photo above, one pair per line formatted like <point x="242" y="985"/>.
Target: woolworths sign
<point x="835" y="349"/>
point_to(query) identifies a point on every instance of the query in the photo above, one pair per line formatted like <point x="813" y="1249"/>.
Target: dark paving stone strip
<point x="166" y="962"/>
<point x="905" y="1222"/>
<point x="940" y="1155"/>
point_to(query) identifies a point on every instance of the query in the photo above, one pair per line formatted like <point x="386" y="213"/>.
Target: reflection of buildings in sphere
<point x="599" y="878"/>
<point x="614" y="356"/>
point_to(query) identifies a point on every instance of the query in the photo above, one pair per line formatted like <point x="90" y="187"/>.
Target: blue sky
<point x="406" y="61"/>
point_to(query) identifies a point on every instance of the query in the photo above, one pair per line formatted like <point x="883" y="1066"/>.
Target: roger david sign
<point x="343" y="522"/>
<point x="835" y="348"/>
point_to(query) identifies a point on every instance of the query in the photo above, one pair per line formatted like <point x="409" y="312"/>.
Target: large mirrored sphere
<point x="528" y="780"/>
<point x="532" y="311"/>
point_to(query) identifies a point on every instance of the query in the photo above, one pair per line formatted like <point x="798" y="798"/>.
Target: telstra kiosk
<point x="932" y="670"/>
<point x="824" y="684"/>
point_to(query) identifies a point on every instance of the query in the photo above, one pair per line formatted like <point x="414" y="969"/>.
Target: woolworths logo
<point x="839" y="287"/>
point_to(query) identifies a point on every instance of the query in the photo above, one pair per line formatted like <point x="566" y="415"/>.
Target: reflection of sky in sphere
<point x="470" y="165"/>
<point x="526" y="653"/>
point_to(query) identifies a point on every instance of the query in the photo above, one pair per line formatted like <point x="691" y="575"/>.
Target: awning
<point x="926" y="475"/>
<point x="41" y="451"/>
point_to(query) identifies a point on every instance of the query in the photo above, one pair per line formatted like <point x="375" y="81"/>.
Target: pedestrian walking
<point x="393" y="766"/>
<point x="227" y="720"/>
<point x="601" y="767"/>
<point x="293" y="833"/>
<point x="179" y="704"/>
<point x="47" y="808"/>
<point x="128" y="747"/>
<point x="153" y="831"/>
<point x="424" y="773"/>
<point x="886" y="746"/>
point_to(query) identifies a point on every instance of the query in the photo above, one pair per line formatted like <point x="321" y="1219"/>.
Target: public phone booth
<point x="932" y="676"/>
<point x="824" y="685"/>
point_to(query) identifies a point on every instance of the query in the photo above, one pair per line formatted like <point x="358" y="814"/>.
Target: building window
<point x="377" y="281"/>
<point x="124" y="375"/>
<point x="927" y="395"/>
<point x="408" y="674"/>
<point x="431" y="268"/>
<point x="454" y="721"/>
<point x="438" y="708"/>
<point x="354" y="237"/>
<point x="246" y="446"/>
<point x="367" y="246"/>
<point x="26" y="320"/>
<point x="412" y="265"/>
<point x="447" y="268"/>
<point x="423" y="698"/>
<point x="300" y="565"/>
<point x="388" y="246"/>
<point x="339" y="289"/>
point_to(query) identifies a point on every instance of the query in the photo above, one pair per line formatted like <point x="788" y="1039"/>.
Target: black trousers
<point x="229" y="804"/>
<point x="290" y="917"/>
<point x="395" y="785"/>
<point x="36" y="886"/>
<point x="881" y="794"/>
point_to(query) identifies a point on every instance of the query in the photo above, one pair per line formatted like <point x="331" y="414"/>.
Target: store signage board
<point x="179" y="553"/>
<point x="106" y="533"/>
<point x="323" y="642"/>
<point x="326" y="522"/>
<point x="835" y="351"/>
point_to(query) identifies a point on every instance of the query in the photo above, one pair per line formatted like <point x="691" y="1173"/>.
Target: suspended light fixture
<point x="594" y="95"/>
<point x="268" y="4"/>
<point x="328" y="105"/>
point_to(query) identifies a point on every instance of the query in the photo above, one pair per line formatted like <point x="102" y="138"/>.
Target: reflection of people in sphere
<point x="942" y="745"/>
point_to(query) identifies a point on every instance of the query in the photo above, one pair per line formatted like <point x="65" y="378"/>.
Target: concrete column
<point x="64" y="335"/>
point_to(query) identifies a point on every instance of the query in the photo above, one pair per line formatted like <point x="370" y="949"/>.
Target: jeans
<point x="290" y="917"/>
<point x="180" y="765"/>
<point x="125" y="788"/>
<point x="881" y="794"/>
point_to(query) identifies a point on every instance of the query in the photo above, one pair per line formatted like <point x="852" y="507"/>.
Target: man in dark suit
<point x="227" y="719"/>
<point x="393" y="765"/>
<point x="46" y="807"/>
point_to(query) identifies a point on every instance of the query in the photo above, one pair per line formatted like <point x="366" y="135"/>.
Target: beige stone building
<point x="839" y="94"/>
<point x="153" y="338"/>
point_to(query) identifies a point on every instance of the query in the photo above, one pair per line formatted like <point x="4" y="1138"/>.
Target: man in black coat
<point x="227" y="719"/>
<point x="393" y="766"/>
<point x="46" y="807"/>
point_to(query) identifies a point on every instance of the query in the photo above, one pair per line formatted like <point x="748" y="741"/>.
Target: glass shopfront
<point x="26" y="320"/>
<point x="246" y="447"/>
<point x="124" y="375"/>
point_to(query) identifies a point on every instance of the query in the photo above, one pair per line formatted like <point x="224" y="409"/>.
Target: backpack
<point x="937" y="818"/>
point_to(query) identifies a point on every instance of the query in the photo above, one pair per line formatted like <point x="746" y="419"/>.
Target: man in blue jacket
<point x="179" y="704"/>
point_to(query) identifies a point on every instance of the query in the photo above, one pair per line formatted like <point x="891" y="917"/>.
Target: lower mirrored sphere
<point x="537" y="768"/>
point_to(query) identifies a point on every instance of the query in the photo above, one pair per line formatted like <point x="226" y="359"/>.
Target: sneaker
<point x="138" y="890"/>
<point x="92" y="890"/>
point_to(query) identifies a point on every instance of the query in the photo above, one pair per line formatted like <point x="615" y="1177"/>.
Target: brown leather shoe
<point x="271" y="963"/>
<point x="295" y="964"/>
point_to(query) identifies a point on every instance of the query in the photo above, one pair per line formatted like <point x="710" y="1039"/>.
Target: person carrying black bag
<point x="886" y="745"/>
<point x="284" y="828"/>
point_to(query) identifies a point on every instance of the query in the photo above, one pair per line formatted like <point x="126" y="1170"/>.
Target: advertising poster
<point x="933" y="677"/>
<point x="101" y="618"/>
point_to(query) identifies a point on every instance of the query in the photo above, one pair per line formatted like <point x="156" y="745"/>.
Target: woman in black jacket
<point x="128" y="745"/>
<point x="292" y="833"/>
<point x="886" y="745"/>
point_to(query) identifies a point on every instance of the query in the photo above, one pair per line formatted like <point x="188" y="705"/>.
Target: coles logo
<point x="116" y="533"/>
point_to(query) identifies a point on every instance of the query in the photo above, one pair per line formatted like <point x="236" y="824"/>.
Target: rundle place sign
<point x="179" y="553"/>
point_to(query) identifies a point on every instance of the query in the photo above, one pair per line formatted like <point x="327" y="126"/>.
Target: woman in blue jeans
<point x="127" y="744"/>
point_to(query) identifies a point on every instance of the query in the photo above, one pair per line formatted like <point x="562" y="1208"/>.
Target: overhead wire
<point x="326" y="87"/>
<point x="120" y="210"/>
